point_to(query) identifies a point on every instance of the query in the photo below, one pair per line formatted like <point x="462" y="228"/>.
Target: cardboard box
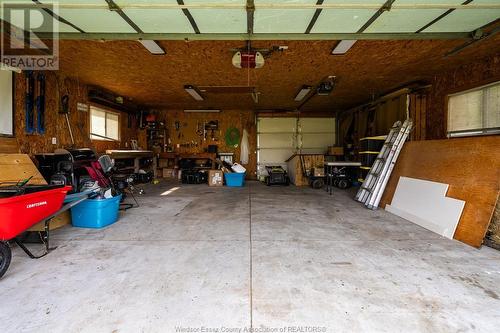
<point x="318" y="172"/>
<point x="168" y="173"/>
<point x="336" y="151"/>
<point x="215" y="178"/>
<point x="166" y="163"/>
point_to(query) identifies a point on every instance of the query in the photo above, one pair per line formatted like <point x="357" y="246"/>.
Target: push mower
<point x="276" y="176"/>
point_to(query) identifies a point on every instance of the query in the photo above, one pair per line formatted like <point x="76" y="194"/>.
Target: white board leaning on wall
<point x="425" y="203"/>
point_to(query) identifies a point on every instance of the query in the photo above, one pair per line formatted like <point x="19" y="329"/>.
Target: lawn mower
<point x="276" y="176"/>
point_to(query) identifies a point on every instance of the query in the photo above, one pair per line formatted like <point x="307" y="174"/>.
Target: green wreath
<point x="232" y="137"/>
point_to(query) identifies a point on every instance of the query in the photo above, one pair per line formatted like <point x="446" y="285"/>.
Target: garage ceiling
<point x="370" y="68"/>
<point x="399" y="42"/>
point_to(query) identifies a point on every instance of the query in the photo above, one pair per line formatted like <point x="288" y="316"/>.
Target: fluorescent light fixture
<point x="5" y="67"/>
<point x="206" y="111"/>
<point x="191" y="90"/>
<point x="304" y="91"/>
<point x="152" y="46"/>
<point x="343" y="46"/>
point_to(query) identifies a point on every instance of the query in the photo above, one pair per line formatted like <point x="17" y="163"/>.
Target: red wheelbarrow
<point x="21" y="207"/>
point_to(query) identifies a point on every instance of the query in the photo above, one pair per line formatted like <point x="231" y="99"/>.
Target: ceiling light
<point x="191" y="90"/>
<point x="206" y="111"/>
<point x="304" y="91"/>
<point x="343" y="46"/>
<point x="152" y="46"/>
<point x="326" y="87"/>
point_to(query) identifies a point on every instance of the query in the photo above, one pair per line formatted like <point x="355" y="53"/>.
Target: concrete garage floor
<point x="274" y="258"/>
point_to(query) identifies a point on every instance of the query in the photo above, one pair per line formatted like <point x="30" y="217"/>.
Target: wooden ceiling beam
<point x="270" y="5"/>
<point x="256" y="36"/>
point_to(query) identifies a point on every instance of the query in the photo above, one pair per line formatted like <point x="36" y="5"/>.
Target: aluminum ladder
<point x="374" y="184"/>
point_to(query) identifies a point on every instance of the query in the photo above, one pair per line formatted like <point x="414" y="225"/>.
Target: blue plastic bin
<point x="95" y="213"/>
<point x="234" y="179"/>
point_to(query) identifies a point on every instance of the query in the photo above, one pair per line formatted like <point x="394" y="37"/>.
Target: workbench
<point x="330" y="166"/>
<point x="136" y="155"/>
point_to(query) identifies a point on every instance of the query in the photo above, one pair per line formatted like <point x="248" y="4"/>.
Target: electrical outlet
<point x="54" y="141"/>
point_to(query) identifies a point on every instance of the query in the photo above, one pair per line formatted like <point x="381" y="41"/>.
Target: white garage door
<point x="279" y="138"/>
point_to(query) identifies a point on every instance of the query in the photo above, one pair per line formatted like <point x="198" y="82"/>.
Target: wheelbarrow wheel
<point x="5" y="256"/>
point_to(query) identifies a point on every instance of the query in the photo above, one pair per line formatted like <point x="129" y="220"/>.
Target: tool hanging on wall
<point x="232" y="137"/>
<point x="211" y="126"/>
<point x="29" y="102"/>
<point x="40" y="103"/>
<point x="65" y="110"/>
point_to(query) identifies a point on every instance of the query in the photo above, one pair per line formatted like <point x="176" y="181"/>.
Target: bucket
<point x="96" y="213"/>
<point x="234" y="179"/>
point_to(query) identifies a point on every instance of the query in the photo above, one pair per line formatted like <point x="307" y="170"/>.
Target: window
<point x="475" y="112"/>
<point x="104" y="124"/>
<point x="6" y="104"/>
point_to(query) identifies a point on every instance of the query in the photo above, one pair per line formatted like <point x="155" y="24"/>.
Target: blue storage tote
<point x="95" y="213"/>
<point x="234" y="179"/>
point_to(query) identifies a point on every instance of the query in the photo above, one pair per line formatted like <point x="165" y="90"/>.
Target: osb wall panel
<point x="240" y="119"/>
<point x="8" y="145"/>
<point x="56" y="126"/>
<point x="462" y="78"/>
<point x="471" y="166"/>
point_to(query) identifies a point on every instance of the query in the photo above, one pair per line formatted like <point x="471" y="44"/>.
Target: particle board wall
<point x="8" y="145"/>
<point x="471" y="166"/>
<point x="239" y="119"/>
<point x="58" y="85"/>
<point x="472" y="75"/>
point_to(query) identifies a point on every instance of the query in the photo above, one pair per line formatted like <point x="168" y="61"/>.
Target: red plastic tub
<point x="19" y="213"/>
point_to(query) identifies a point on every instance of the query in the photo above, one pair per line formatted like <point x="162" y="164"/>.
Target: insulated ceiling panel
<point x="216" y="20"/>
<point x="345" y="20"/>
<point x="283" y="21"/>
<point x="407" y="20"/>
<point x="157" y="20"/>
<point x="17" y="21"/>
<point x="93" y="20"/>
<point x="463" y="20"/>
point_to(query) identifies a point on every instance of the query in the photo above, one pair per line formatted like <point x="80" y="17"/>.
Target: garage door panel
<point x="322" y="140"/>
<point x="277" y="125"/>
<point x="276" y="140"/>
<point x="312" y="151"/>
<point x="317" y="125"/>
<point x="267" y="156"/>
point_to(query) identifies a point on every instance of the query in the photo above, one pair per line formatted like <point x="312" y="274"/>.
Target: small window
<point x="474" y="112"/>
<point x="104" y="124"/>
